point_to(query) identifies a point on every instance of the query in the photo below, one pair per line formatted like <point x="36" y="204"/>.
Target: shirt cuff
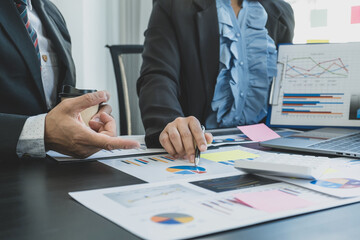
<point x="31" y="141"/>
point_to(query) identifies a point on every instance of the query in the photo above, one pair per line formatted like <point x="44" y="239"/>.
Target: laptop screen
<point x="317" y="85"/>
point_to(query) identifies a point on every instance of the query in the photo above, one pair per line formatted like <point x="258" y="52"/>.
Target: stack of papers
<point x="183" y="201"/>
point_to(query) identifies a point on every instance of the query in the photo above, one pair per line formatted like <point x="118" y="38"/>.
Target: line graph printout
<point x="318" y="85"/>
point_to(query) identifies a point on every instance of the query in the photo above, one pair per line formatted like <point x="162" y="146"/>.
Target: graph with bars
<point x="317" y="85"/>
<point x="315" y="103"/>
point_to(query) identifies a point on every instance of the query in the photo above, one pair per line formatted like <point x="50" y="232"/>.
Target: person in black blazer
<point x="181" y="66"/>
<point x="22" y="91"/>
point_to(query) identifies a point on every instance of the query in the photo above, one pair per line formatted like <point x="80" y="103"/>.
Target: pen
<point x="197" y="151"/>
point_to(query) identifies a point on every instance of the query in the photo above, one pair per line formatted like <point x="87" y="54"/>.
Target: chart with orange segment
<point x="157" y="168"/>
<point x="186" y="170"/>
<point x="172" y="218"/>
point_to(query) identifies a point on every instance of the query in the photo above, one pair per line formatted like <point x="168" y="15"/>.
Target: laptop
<point x="317" y="87"/>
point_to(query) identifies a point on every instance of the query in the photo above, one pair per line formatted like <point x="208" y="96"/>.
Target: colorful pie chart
<point x="186" y="170"/>
<point x="342" y="183"/>
<point x="172" y="218"/>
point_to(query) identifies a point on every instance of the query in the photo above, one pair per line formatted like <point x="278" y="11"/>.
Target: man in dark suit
<point x="35" y="62"/>
<point x="181" y="65"/>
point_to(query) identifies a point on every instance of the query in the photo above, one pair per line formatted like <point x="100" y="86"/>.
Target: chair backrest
<point x="121" y="82"/>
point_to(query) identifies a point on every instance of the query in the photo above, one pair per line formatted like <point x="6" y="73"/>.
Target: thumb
<point x="83" y="102"/>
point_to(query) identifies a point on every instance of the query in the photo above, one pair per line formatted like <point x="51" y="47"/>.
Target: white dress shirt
<point x="31" y="140"/>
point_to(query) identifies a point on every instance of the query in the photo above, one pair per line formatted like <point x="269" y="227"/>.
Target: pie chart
<point x="172" y="218"/>
<point x="343" y="183"/>
<point x="186" y="170"/>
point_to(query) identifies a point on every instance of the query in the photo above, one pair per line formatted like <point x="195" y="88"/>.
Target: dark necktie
<point x="21" y="6"/>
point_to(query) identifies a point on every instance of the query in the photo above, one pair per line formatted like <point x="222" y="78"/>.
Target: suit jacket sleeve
<point x="11" y="126"/>
<point x="158" y="86"/>
<point x="281" y="23"/>
<point x="20" y="99"/>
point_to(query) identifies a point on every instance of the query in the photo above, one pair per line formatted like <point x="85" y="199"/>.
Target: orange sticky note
<point x="259" y="132"/>
<point x="272" y="201"/>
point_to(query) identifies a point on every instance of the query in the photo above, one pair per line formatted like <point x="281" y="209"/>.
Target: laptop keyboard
<point x="350" y="143"/>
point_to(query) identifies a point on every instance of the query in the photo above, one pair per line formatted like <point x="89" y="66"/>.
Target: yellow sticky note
<point x="317" y="41"/>
<point x="330" y="170"/>
<point x="228" y="155"/>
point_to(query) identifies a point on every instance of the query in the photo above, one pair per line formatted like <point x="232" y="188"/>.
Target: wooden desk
<point x="34" y="204"/>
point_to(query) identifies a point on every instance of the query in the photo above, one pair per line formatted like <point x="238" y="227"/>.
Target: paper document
<point x="103" y="154"/>
<point x="157" y="168"/>
<point x="183" y="209"/>
<point x="342" y="180"/>
<point x="273" y="200"/>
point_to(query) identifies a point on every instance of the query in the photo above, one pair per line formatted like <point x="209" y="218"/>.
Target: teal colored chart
<point x="184" y="170"/>
<point x="337" y="183"/>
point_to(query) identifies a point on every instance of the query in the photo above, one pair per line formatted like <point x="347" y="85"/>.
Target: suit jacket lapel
<point x="56" y="38"/>
<point x="208" y="29"/>
<point x="16" y="30"/>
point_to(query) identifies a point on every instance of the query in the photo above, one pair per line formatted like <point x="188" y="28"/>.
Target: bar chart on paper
<point x="318" y="85"/>
<point x="320" y="104"/>
<point x="159" y="168"/>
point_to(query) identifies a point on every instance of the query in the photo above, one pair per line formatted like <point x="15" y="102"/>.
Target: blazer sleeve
<point x="158" y="86"/>
<point x="11" y="126"/>
<point x="281" y="23"/>
<point x="286" y="19"/>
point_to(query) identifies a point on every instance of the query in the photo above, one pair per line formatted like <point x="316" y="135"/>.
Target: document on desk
<point x="104" y="154"/>
<point x="342" y="182"/>
<point x="157" y="168"/>
<point x="186" y="209"/>
<point x="238" y="139"/>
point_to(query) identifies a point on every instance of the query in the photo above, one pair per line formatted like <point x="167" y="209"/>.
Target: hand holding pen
<point x="197" y="151"/>
<point x="178" y="138"/>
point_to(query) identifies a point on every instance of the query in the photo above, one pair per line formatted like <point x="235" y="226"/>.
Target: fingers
<point x="209" y="138"/>
<point x="106" y="125"/>
<point x="109" y="124"/>
<point x="198" y="135"/>
<point x="179" y="136"/>
<point x="167" y="145"/>
<point x="78" y="104"/>
<point x="175" y="139"/>
<point x="96" y="125"/>
<point x="103" y="108"/>
<point x="187" y="142"/>
<point x="98" y="140"/>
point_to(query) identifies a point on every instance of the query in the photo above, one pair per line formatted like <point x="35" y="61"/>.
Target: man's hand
<point x="178" y="138"/>
<point x="96" y="123"/>
<point x="66" y="133"/>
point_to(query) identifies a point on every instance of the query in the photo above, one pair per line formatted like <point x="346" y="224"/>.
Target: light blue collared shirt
<point x="247" y="65"/>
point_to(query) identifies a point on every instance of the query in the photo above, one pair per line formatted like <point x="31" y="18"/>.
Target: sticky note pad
<point x="259" y="132"/>
<point x="317" y="41"/>
<point x="318" y="18"/>
<point x="355" y="14"/>
<point x="228" y="155"/>
<point x="272" y="201"/>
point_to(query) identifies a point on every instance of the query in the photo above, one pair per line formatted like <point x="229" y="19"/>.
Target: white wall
<point x="92" y="25"/>
<point x="338" y="27"/>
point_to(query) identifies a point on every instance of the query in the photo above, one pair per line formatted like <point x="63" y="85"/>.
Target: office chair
<point x="121" y="82"/>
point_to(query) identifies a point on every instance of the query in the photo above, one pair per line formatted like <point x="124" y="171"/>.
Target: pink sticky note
<point x="258" y="132"/>
<point x="355" y="14"/>
<point x="272" y="201"/>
